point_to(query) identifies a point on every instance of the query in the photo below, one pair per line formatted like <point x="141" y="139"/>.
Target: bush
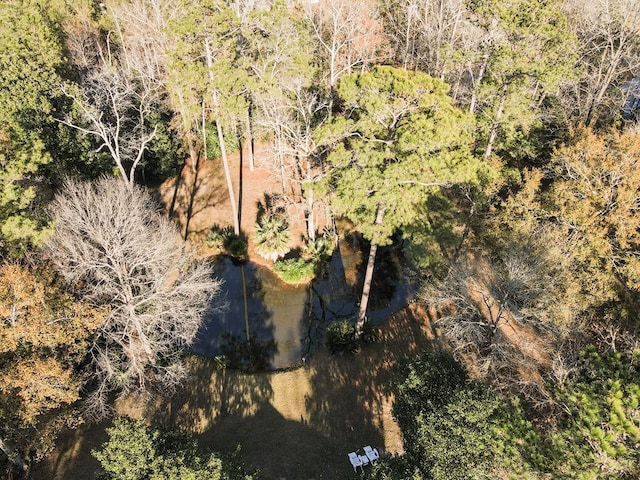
<point x="340" y="336"/>
<point x="218" y="236"/>
<point x="137" y="451"/>
<point x="236" y="246"/>
<point x="319" y="250"/>
<point x="294" y="270"/>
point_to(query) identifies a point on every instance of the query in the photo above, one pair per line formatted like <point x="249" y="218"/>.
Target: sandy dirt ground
<point x="295" y="424"/>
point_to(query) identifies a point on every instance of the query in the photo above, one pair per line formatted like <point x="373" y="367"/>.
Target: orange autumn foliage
<point x="44" y="336"/>
<point x="34" y="312"/>
<point x="596" y="197"/>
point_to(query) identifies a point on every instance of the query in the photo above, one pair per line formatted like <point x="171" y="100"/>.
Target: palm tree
<point x="273" y="237"/>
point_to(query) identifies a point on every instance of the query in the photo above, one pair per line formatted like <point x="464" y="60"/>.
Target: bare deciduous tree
<point x="422" y="31"/>
<point x="609" y="39"/>
<point x="117" y="91"/>
<point x="292" y="120"/>
<point x="505" y="317"/>
<point x="348" y="36"/>
<point x="114" y="246"/>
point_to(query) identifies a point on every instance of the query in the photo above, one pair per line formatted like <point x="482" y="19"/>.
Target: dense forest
<point x="498" y="139"/>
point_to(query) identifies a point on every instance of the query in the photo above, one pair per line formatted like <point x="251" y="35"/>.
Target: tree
<point x="294" y="119"/>
<point x="598" y="433"/>
<point x="507" y="315"/>
<point x="451" y="427"/>
<point x="595" y="201"/>
<point x="348" y="37"/>
<point x="277" y="56"/>
<point x="205" y="59"/>
<point x="424" y="33"/>
<point x="399" y="140"/>
<point x="44" y="337"/>
<point x="609" y="42"/>
<point x="285" y="105"/>
<point x="528" y="51"/>
<point x="136" y="451"/>
<point x="115" y="97"/>
<point x="31" y="57"/>
<point x="113" y="246"/>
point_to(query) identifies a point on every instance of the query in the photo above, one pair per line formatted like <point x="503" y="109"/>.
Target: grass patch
<point x="294" y="270"/>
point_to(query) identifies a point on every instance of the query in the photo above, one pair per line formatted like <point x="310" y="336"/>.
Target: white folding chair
<point x="354" y="458"/>
<point x="372" y="453"/>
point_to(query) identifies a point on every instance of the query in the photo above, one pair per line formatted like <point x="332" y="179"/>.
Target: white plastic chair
<point x="354" y="458"/>
<point x="372" y="453"/>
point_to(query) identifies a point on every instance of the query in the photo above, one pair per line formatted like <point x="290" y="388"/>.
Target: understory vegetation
<point x="495" y="143"/>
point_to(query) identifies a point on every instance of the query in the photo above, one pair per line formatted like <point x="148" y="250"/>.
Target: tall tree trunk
<point x="407" y="41"/>
<point x="193" y="156"/>
<point x="310" y="210"/>
<point x="14" y="457"/>
<point x="227" y="174"/>
<point x="477" y="82"/>
<point x="493" y="135"/>
<point x="223" y="150"/>
<point x="249" y="137"/>
<point x="368" y="277"/>
<point x="283" y="173"/>
<point x="311" y="219"/>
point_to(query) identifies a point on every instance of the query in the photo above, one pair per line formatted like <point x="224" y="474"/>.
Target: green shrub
<point x="217" y="237"/>
<point x="319" y="250"/>
<point x="236" y="246"/>
<point x="340" y="336"/>
<point x="294" y="270"/>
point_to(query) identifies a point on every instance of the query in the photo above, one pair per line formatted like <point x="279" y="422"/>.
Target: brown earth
<point x="297" y="424"/>
<point x="201" y="199"/>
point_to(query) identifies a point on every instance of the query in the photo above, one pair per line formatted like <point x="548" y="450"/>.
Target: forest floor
<point x="294" y="424"/>
<point x="199" y="199"/>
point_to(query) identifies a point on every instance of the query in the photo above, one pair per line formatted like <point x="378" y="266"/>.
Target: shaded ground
<point x="297" y="424"/>
<point x="201" y="199"/>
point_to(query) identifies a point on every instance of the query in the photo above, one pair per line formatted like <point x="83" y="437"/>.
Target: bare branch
<point x="113" y="245"/>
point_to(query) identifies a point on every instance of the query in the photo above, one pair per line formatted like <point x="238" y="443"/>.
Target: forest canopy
<point x="497" y="142"/>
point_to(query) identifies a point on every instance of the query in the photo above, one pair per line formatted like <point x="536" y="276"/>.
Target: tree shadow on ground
<point x="294" y="424"/>
<point x="351" y="397"/>
<point x="72" y="457"/>
<point x="190" y="196"/>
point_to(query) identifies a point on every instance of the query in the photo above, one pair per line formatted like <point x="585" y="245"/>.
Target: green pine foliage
<point x="398" y="141"/>
<point x="453" y="428"/>
<point x="31" y="56"/>
<point x="600" y="434"/>
<point x="136" y="451"/>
